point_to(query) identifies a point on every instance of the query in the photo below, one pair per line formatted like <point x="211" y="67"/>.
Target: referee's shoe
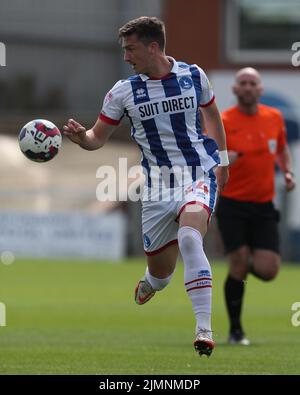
<point x="238" y="337"/>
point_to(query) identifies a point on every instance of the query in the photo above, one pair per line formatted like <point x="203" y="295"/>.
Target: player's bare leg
<point x="197" y="273"/>
<point x="160" y="268"/>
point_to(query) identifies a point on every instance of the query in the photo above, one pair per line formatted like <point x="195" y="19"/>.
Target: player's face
<point x="137" y="54"/>
<point x="248" y="89"/>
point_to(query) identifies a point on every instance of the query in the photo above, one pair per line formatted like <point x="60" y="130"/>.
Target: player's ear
<point x="153" y="47"/>
<point x="234" y="89"/>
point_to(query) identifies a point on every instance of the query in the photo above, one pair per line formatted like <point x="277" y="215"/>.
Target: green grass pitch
<point x="68" y="317"/>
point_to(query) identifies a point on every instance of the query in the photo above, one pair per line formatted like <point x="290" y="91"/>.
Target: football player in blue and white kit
<point x="163" y="101"/>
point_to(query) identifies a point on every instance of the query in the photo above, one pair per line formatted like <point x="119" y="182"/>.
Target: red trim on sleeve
<point x="108" y="120"/>
<point x="209" y="103"/>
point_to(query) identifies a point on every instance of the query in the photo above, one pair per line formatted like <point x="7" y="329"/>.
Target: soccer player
<point x="247" y="219"/>
<point x="162" y="101"/>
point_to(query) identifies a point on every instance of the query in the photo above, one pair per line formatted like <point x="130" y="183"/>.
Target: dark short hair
<point x="147" y="29"/>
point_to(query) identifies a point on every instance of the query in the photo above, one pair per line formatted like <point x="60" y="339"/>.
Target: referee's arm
<point x="285" y="163"/>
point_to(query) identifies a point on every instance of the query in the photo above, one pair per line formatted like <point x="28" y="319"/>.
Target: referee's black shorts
<point x="247" y="223"/>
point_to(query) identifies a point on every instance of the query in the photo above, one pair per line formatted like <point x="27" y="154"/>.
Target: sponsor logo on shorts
<point x="200" y="189"/>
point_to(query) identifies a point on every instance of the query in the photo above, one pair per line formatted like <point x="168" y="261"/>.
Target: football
<point x="40" y="140"/>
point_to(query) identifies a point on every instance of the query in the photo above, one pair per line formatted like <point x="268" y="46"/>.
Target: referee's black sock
<point x="234" y="291"/>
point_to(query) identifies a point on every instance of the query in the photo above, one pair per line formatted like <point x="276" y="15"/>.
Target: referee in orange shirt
<point x="247" y="219"/>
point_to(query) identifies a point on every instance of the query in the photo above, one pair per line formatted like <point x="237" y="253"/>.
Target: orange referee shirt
<point x="258" y="138"/>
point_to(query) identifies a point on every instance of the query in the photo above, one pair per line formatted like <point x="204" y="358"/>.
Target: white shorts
<point x="160" y="218"/>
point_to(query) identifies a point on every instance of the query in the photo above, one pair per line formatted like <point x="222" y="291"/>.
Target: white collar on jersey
<point x="174" y="69"/>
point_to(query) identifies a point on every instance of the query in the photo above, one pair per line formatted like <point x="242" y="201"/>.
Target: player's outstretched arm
<point x="91" y="139"/>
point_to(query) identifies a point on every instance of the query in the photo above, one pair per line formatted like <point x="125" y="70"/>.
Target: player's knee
<point x="188" y="239"/>
<point x="186" y="242"/>
<point x="267" y="270"/>
<point x="191" y="247"/>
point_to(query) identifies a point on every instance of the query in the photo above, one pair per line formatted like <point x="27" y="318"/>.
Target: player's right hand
<point x="74" y="131"/>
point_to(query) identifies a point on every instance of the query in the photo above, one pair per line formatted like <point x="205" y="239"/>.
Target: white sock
<point x="197" y="275"/>
<point x="157" y="283"/>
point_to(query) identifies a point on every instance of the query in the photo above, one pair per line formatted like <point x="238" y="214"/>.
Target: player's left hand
<point x="222" y="175"/>
<point x="290" y="181"/>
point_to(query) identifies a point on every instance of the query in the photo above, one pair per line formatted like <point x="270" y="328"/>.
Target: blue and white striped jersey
<point x="165" y="117"/>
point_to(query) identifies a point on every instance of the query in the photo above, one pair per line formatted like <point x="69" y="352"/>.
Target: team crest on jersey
<point x="185" y="82"/>
<point x="147" y="241"/>
<point x="272" y="146"/>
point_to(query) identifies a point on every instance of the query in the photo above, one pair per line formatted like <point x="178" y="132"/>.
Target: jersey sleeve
<point x="207" y="93"/>
<point x="113" y="109"/>
<point x="282" y="133"/>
